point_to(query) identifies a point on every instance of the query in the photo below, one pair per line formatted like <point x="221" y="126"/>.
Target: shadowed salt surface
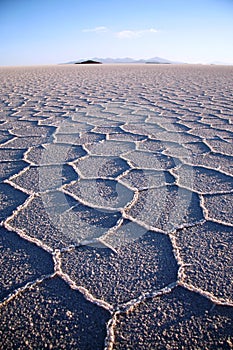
<point x="52" y="316"/>
<point x="10" y="200"/>
<point x="23" y="261"/>
<point x="210" y="267"/>
<point x="116" y="207"/>
<point x="144" y="264"/>
<point x="219" y="207"/>
<point x="8" y="168"/>
<point x="178" y="320"/>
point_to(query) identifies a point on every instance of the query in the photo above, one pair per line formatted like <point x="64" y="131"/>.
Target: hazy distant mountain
<point x="157" y="60"/>
<point x="116" y="60"/>
<point x="221" y="63"/>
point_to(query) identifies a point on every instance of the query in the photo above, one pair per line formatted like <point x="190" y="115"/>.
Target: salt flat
<point x="116" y="207"/>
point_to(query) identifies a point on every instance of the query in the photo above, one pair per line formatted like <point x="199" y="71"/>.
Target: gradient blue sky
<point x="55" y="31"/>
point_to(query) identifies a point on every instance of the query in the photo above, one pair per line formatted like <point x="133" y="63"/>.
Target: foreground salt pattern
<point x="116" y="207"/>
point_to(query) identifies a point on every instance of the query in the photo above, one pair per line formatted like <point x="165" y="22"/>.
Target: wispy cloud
<point x="100" y="29"/>
<point x="130" y="34"/>
<point x="123" y="34"/>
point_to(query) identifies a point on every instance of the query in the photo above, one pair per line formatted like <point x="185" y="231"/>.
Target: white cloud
<point x="130" y="34"/>
<point x="123" y="34"/>
<point x="100" y="29"/>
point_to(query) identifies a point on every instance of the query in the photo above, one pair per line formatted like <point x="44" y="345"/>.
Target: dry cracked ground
<point x="116" y="207"/>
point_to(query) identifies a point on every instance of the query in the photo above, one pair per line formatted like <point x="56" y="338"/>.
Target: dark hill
<point x="89" y="62"/>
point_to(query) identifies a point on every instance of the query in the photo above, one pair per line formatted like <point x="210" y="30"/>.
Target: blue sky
<point x="55" y="31"/>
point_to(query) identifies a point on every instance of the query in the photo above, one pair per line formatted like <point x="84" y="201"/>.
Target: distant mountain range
<point x="154" y="60"/>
